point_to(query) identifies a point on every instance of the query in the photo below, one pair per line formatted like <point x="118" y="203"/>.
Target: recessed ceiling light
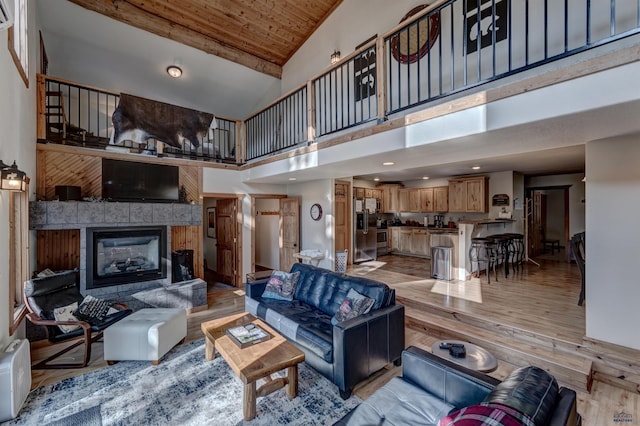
<point x="376" y="179"/>
<point x="174" y="71"/>
<point x="425" y="177"/>
<point x="388" y="163"/>
<point x="292" y="178"/>
<point x="476" y="167"/>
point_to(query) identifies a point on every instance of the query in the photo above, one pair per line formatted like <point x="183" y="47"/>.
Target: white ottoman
<point x="145" y="335"/>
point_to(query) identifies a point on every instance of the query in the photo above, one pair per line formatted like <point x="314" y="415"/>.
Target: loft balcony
<point x="429" y="65"/>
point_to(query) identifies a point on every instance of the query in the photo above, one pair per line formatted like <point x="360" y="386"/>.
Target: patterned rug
<point x="183" y="390"/>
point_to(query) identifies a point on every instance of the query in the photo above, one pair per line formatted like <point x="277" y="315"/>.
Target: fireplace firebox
<point x="117" y="256"/>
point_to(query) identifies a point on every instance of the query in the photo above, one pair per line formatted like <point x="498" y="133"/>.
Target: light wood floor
<point x="527" y="299"/>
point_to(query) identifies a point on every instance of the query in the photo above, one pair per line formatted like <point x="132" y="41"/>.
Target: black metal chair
<point x="578" y="251"/>
<point x="43" y="295"/>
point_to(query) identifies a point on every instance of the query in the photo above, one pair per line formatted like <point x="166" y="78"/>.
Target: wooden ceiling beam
<point x="129" y="14"/>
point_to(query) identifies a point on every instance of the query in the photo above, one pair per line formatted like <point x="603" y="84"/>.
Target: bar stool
<point x="483" y="251"/>
<point x="502" y="242"/>
<point x="517" y="242"/>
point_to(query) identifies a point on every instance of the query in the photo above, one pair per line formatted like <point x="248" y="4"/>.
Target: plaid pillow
<point x="486" y="414"/>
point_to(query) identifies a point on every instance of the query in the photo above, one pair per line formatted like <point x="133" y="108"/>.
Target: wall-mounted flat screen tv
<point x="133" y="181"/>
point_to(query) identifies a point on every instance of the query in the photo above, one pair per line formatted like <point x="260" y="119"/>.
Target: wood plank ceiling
<point x="259" y="34"/>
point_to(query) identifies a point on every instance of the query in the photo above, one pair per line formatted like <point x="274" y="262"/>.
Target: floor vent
<point x="15" y="378"/>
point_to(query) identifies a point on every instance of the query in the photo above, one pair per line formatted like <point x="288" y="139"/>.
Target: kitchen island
<point x="417" y="241"/>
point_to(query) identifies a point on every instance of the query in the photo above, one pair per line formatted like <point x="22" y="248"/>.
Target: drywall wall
<point x="613" y="200"/>
<point x="17" y="142"/>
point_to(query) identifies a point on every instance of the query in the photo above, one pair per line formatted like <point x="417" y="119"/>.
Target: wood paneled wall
<point x="189" y="237"/>
<point x="58" y="250"/>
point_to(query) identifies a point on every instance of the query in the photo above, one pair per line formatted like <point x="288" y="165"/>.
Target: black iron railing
<point x="81" y="116"/>
<point x="464" y="43"/>
<point x="283" y="125"/>
<point x="345" y="96"/>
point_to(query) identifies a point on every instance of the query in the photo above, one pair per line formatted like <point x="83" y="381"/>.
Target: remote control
<point x="445" y="345"/>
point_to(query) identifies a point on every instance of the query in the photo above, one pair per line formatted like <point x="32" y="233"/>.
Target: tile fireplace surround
<point x="56" y="215"/>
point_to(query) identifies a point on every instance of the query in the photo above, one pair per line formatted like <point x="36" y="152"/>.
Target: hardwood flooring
<point x="540" y="299"/>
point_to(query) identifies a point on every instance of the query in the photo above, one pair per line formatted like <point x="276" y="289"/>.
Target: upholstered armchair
<point x="48" y="296"/>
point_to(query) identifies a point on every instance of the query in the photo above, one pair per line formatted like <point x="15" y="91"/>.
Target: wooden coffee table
<point x="254" y="362"/>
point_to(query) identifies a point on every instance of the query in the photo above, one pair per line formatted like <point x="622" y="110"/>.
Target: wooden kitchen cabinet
<point x="405" y="237"/>
<point x="468" y="195"/>
<point x="394" y="238"/>
<point x="426" y="200"/>
<point x="358" y="192"/>
<point x="420" y="244"/>
<point x="390" y="198"/>
<point x="409" y="200"/>
<point x="441" y="199"/>
<point x="403" y="200"/>
<point x="377" y="194"/>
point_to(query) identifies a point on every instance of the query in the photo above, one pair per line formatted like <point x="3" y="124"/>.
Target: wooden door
<point x="289" y="232"/>
<point x="226" y="246"/>
<point x="342" y="214"/>
<point x="538" y="221"/>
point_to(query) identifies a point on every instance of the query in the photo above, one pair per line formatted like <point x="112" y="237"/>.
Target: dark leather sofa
<point x="345" y="353"/>
<point x="431" y="388"/>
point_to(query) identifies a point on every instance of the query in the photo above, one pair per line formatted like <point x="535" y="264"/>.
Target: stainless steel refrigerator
<point x="365" y="229"/>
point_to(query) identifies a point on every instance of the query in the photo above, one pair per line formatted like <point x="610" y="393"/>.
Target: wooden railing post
<point x="381" y="86"/>
<point x="311" y="112"/>
<point x="41" y="124"/>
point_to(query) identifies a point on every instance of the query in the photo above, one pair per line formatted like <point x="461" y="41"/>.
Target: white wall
<point x="267" y="251"/>
<point x="316" y="234"/>
<point x="17" y="142"/>
<point x="613" y="202"/>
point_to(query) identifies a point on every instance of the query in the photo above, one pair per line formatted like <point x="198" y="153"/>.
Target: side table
<point x="477" y="358"/>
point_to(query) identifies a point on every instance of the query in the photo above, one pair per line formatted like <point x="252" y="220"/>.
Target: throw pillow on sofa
<point x="353" y="305"/>
<point x="486" y="414"/>
<point x="281" y="285"/>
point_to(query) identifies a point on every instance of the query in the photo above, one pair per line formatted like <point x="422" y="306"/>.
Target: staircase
<point x="59" y="129"/>
<point x="514" y="346"/>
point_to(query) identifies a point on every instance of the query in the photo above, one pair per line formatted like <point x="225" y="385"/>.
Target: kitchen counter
<point x="486" y="221"/>
<point x="431" y="230"/>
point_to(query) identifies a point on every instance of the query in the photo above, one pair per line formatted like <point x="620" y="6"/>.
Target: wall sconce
<point x="174" y="71"/>
<point x="335" y="57"/>
<point x="11" y="178"/>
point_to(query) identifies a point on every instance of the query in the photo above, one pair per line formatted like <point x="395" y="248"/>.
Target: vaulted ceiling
<point x="259" y="34"/>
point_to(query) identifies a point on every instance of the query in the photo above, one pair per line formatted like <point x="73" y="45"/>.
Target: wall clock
<point x="316" y="211"/>
<point x="404" y="45"/>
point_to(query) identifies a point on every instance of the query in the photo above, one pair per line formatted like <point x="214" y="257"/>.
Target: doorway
<point x="548" y="220"/>
<point x="275" y="233"/>
<point x="222" y="236"/>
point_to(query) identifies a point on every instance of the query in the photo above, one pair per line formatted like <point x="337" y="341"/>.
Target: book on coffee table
<point x="247" y="335"/>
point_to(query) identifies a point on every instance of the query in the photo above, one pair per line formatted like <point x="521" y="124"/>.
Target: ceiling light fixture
<point x="292" y="178"/>
<point x="174" y="71"/>
<point x="476" y="167"/>
<point x="376" y="179"/>
<point x="425" y="177"/>
<point x="388" y="163"/>
<point x="335" y="57"/>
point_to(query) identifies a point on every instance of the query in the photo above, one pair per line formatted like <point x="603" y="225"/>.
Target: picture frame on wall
<point x="211" y="222"/>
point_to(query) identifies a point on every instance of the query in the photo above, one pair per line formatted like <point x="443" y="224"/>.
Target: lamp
<point x="12" y="179"/>
<point x="335" y="57"/>
<point x="174" y="71"/>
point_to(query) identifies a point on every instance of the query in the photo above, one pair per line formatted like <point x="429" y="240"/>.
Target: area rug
<point x="183" y="390"/>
